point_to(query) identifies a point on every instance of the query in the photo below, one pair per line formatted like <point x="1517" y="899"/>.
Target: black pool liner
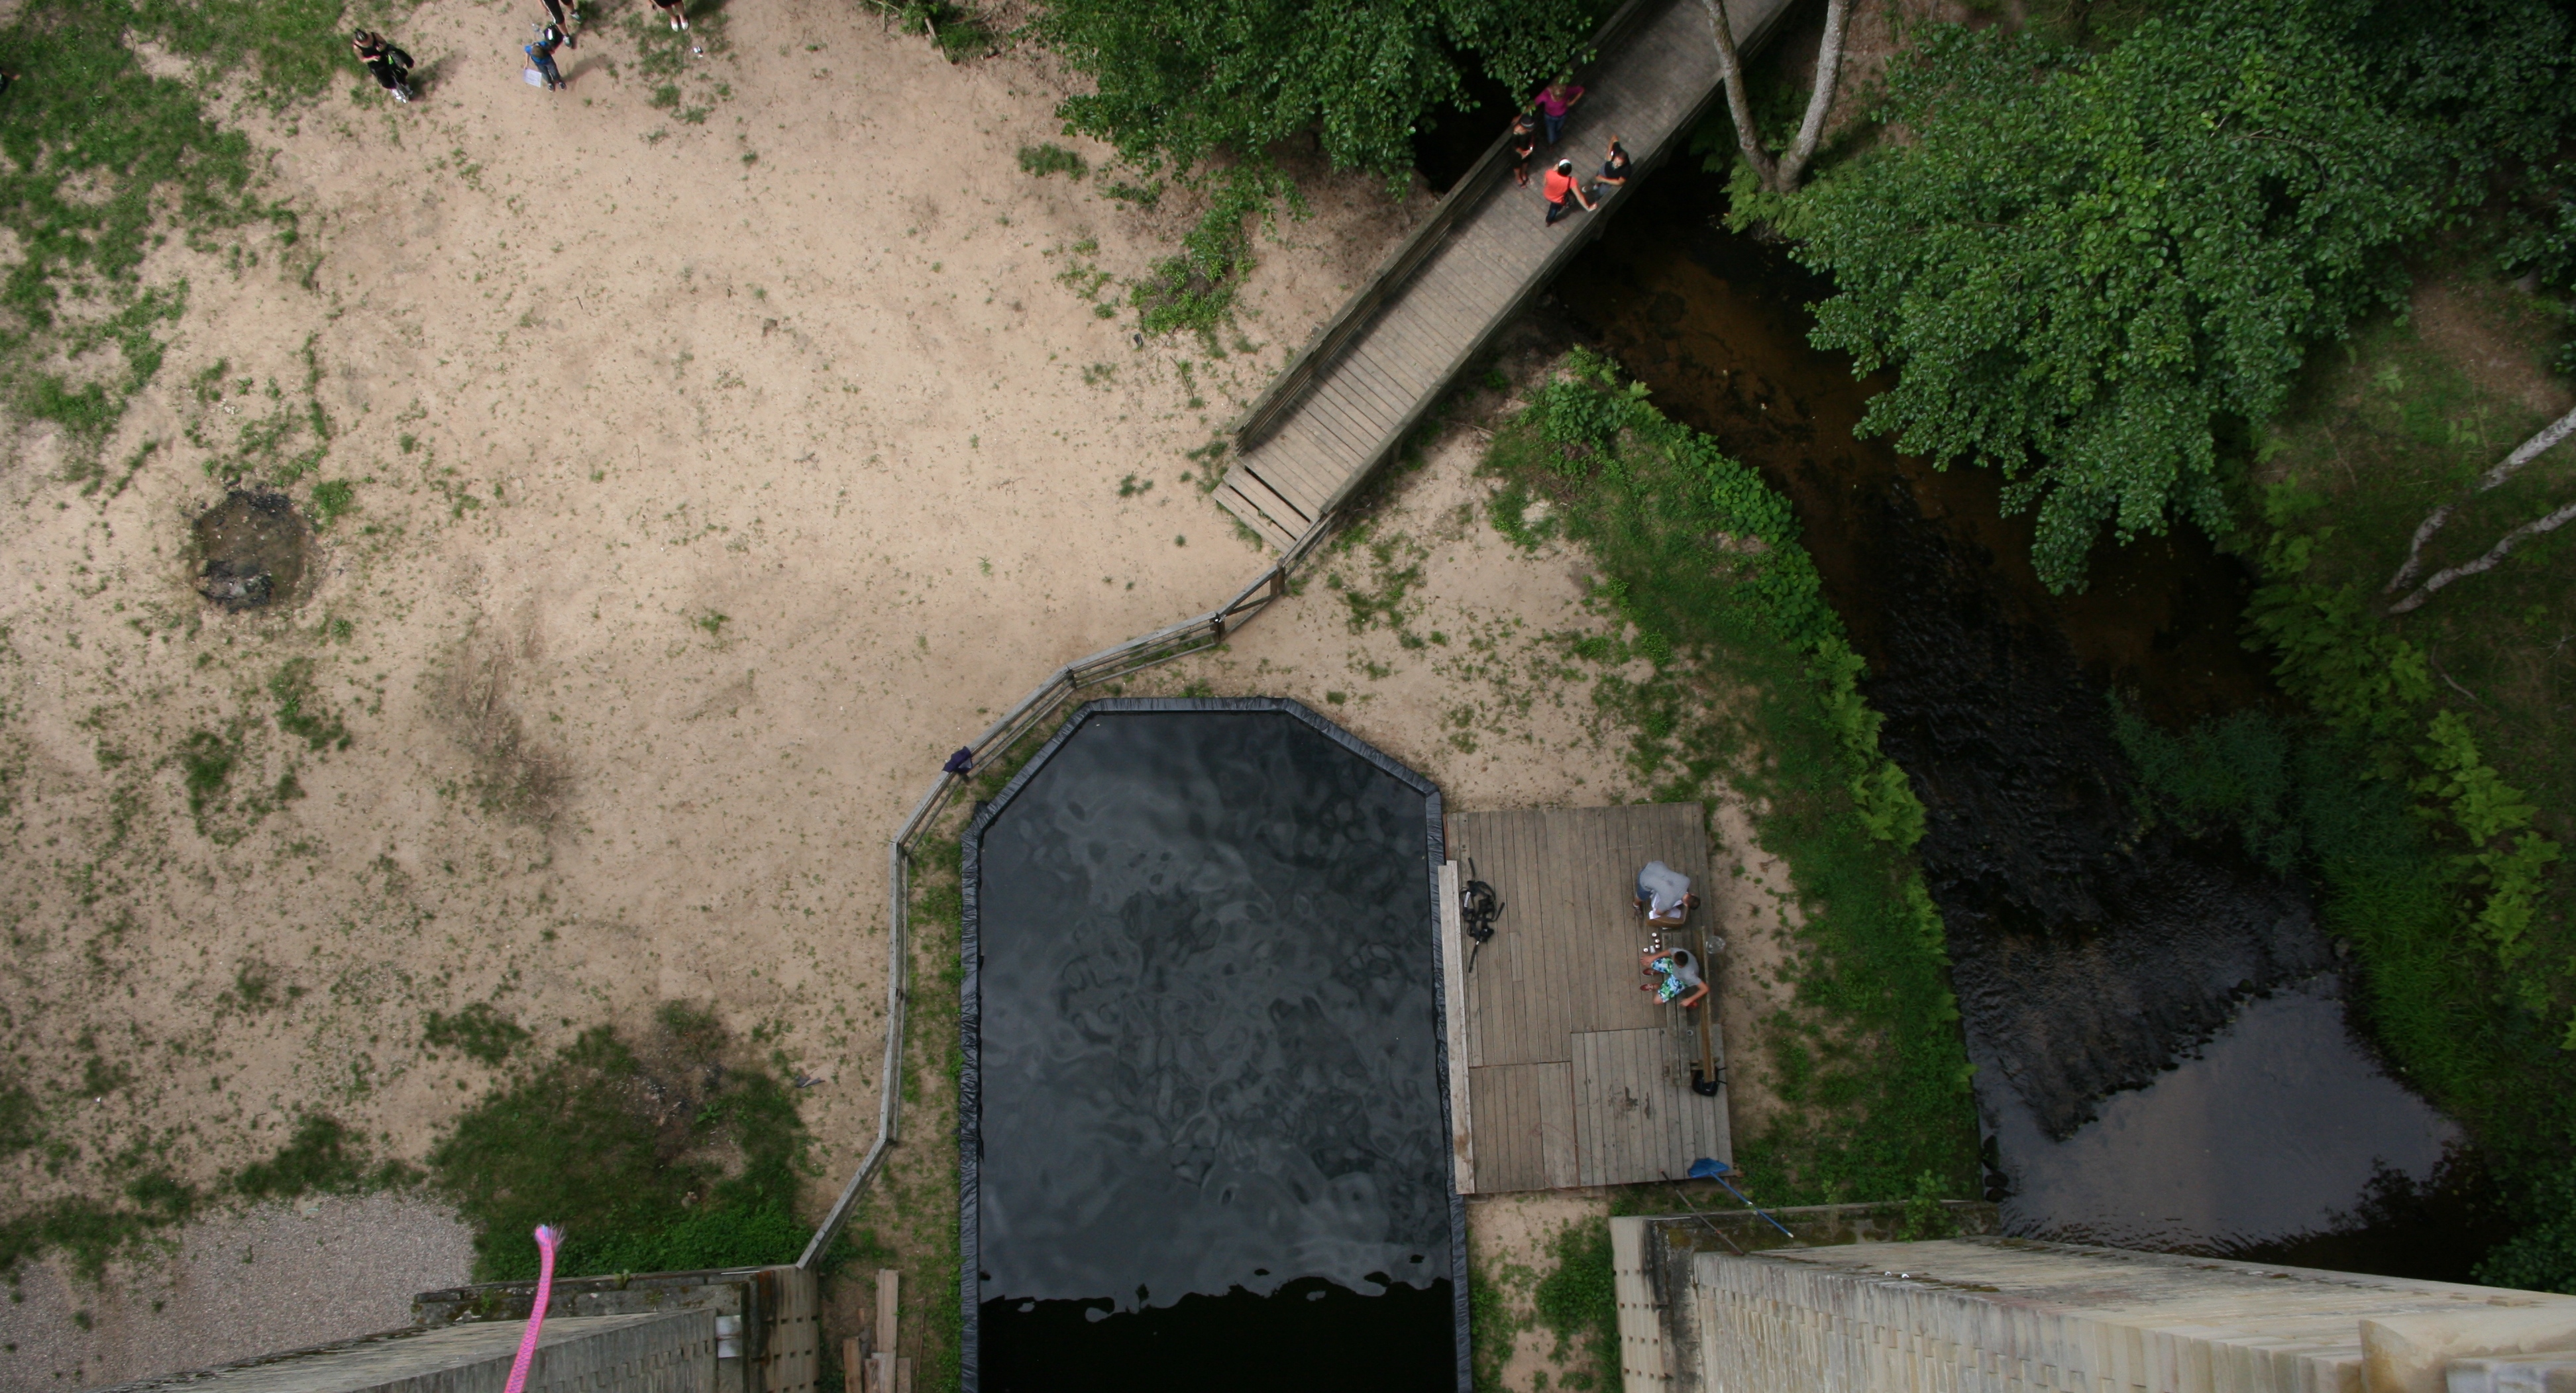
<point x="1191" y="1196"/>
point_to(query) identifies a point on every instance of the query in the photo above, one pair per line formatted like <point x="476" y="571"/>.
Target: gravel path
<point x="274" y="1278"/>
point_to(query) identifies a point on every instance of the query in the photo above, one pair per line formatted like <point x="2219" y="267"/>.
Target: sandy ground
<point x="718" y="465"/>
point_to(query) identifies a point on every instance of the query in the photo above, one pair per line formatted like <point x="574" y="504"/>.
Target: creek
<point x="2164" y="1055"/>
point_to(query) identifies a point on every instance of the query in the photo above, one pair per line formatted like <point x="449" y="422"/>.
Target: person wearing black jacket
<point x="388" y="65"/>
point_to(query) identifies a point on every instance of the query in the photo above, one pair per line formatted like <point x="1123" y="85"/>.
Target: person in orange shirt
<point x="1564" y="192"/>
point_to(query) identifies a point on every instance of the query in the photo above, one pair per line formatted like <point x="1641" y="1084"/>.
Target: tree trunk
<point x="1820" y="99"/>
<point x="2496" y="554"/>
<point x="1782" y="175"/>
<point x="1730" y="70"/>
<point x="2495" y="478"/>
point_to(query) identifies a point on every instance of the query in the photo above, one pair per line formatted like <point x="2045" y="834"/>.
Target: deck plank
<point x="1576" y="1076"/>
<point x="1229" y="496"/>
<point x="1281" y="513"/>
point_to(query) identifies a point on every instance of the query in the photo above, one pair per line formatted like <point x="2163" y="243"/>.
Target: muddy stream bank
<point x="2163" y="1055"/>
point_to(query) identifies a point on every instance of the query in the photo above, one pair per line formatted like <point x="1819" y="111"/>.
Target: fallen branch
<point x="2495" y="555"/>
<point x="2493" y="479"/>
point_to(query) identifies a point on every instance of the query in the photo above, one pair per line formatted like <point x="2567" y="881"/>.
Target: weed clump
<point x="1578" y="1303"/>
<point x="322" y="1157"/>
<point x="478" y="1031"/>
<point x="664" y="1154"/>
<point x="1051" y="158"/>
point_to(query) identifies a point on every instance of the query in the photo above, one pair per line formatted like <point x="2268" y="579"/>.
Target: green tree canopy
<point x="2082" y="265"/>
<point x="1178" y="80"/>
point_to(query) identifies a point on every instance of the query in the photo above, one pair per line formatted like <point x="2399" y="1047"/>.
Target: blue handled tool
<point x="1707" y="1169"/>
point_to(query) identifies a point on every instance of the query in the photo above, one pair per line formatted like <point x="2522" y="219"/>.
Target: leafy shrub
<point x="2504" y="856"/>
<point x="1194" y="290"/>
<point x="2083" y="263"/>
<point x="2542" y="1257"/>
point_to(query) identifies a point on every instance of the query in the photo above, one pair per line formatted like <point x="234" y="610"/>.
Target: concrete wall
<point x="2000" y="1313"/>
<point x="653" y="1353"/>
<point x="768" y="1331"/>
<point x="1653" y="1255"/>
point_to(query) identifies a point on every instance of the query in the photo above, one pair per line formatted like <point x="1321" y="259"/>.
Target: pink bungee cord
<point x="548" y="1239"/>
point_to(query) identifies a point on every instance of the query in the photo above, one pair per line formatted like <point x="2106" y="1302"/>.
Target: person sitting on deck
<point x="1673" y="977"/>
<point x="1664" y="896"/>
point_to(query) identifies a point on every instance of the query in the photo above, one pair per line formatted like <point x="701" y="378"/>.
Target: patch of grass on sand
<point x="105" y="159"/>
<point x="1051" y="158"/>
<point x="1578" y="1303"/>
<point x="664" y="1154"/>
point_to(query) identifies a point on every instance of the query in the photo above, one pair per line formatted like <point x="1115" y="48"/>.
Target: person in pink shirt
<point x="1553" y="101"/>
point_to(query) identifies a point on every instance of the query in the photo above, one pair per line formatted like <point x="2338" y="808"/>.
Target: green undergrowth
<point x="959" y="32"/>
<point x="1193" y="289"/>
<point x="665" y="1152"/>
<point x="2429" y="783"/>
<point x="1754" y="686"/>
<point x="105" y="162"/>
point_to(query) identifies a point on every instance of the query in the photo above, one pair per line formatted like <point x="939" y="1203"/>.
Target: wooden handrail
<point x="1335" y="334"/>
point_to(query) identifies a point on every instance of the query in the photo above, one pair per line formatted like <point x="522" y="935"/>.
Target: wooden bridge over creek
<point x="1345" y="403"/>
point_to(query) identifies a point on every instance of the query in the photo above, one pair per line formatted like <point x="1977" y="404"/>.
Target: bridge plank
<point x="1442" y="296"/>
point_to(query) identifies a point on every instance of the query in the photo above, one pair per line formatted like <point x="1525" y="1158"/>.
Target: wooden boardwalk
<point x="1562" y="1072"/>
<point x="1345" y="403"/>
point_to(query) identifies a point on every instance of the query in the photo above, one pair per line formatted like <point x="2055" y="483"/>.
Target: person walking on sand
<point x="675" y="11"/>
<point x="388" y="65"/>
<point x="542" y="55"/>
<point x="567" y="17"/>
<point x="1614" y="169"/>
<point x="1524" y="144"/>
<point x="1553" y="101"/>
<point x="1564" y="192"/>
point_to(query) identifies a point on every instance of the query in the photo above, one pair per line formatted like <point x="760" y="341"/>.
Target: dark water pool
<point x="2163" y="1050"/>
<point x="1205" y="1138"/>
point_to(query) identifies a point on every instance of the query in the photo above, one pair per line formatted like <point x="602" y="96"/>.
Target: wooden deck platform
<point x="1562" y="1073"/>
<point x="1345" y="403"/>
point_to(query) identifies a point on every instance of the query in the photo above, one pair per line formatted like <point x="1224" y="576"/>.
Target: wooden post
<point x="884" y="1373"/>
<point x="854" y="1358"/>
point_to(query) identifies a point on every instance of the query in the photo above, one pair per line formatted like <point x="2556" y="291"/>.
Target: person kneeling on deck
<point x="1564" y="191"/>
<point x="1664" y="896"/>
<point x="1674" y="977"/>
